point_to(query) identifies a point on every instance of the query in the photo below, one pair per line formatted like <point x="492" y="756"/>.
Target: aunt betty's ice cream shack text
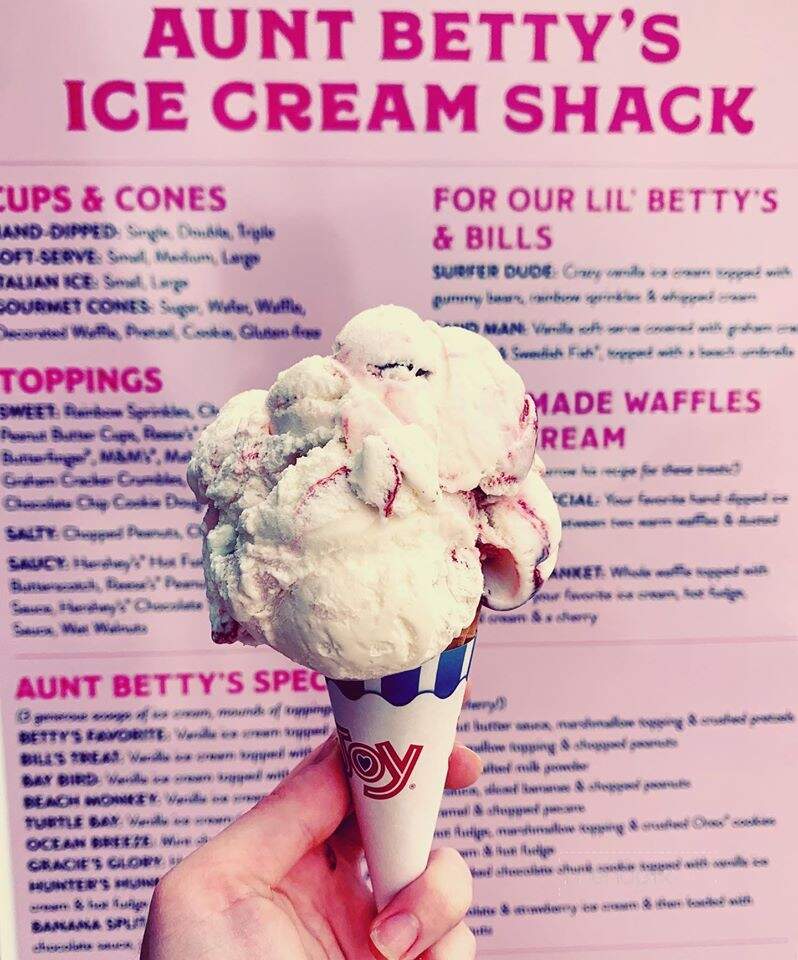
<point x="344" y="40"/>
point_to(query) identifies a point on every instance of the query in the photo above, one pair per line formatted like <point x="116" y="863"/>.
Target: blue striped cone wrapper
<point x="396" y="734"/>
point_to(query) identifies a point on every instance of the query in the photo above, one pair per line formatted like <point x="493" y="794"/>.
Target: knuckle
<point x="165" y="892"/>
<point x="457" y="890"/>
<point x="469" y="941"/>
<point x="458" y="869"/>
<point x="449" y="858"/>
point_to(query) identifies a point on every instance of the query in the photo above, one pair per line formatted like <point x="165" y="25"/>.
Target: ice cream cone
<point x="396" y="734"/>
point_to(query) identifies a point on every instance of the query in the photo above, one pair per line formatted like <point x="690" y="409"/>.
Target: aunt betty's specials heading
<point x="402" y="36"/>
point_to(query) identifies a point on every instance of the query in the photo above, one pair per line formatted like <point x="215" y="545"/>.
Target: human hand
<point x="285" y="882"/>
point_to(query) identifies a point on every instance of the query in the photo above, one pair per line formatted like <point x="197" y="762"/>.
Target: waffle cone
<point x="469" y="632"/>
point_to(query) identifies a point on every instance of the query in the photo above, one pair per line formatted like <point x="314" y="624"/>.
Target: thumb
<point x="298" y="815"/>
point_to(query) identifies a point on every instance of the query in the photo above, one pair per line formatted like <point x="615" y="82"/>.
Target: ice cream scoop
<point x="360" y="508"/>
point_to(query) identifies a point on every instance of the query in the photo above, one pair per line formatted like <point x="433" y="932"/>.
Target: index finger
<point x="298" y="815"/>
<point x="302" y="812"/>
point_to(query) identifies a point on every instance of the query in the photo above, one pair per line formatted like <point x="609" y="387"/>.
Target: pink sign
<point x="192" y="199"/>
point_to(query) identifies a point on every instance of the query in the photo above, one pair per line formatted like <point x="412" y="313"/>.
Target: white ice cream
<point x="360" y="508"/>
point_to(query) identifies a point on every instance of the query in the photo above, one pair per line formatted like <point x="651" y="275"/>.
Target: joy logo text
<point x="383" y="772"/>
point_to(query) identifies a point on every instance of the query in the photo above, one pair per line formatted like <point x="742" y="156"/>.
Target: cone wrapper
<point x="396" y="734"/>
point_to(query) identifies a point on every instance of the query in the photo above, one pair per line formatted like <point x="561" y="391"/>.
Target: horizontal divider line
<point x="233" y="650"/>
<point x="629" y="642"/>
<point x="455" y="165"/>
<point x="596" y="948"/>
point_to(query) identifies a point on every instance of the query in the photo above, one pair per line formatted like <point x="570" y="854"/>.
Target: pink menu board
<point x="192" y="198"/>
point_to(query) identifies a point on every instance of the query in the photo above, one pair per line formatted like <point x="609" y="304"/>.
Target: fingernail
<point x="315" y="756"/>
<point x="394" y="936"/>
<point x="478" y="759"/>
<point x="323" y="750"/>
<point x="330" y="744"/>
